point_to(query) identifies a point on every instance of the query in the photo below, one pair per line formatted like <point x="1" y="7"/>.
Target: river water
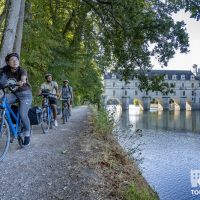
<point x="166" y="146"/>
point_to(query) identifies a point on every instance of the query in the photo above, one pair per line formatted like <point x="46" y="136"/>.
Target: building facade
<point x="185" y="96"/>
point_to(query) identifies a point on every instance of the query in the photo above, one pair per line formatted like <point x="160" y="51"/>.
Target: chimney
<point x="194" y="69"/>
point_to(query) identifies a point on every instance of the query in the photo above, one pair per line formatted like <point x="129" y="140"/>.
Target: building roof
<point x="169" y="73"/>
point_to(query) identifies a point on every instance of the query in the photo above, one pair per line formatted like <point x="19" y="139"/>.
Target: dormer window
<point x="174" y="77"/>
<point x="192" y="77"/>
<point x="113" y="76"/>
<point x="166" y="77"/>
<point x="182" y="77"/>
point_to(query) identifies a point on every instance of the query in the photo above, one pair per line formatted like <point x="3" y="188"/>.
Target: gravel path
<point x="54" y="166"/>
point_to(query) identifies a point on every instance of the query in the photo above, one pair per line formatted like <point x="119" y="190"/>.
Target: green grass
<point x="134" y="194"/>
<point x="103" y="124"/>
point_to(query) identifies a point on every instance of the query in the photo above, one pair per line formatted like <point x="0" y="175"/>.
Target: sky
<point x="185" y="61"/>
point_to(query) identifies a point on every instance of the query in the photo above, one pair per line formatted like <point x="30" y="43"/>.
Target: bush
<point x="103" y="124"/>
<point x="136" y="102"/>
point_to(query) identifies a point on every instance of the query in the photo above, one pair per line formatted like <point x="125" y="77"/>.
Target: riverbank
<point x="122" y="176"/>
<point x="71" y="162"/>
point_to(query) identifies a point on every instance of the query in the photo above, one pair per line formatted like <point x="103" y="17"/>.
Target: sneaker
<point x="55" y="123"/>
<point x="26" y="140"/>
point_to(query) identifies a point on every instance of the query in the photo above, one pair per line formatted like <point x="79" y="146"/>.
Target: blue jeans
<point x="25" y="100"/>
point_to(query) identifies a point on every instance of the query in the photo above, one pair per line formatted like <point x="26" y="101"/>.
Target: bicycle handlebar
<point x="47" y="94"/>
<point x="65" y="99"/>
<point x="9" y="86"/>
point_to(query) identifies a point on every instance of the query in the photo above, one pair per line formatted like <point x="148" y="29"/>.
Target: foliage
<point x="133" y="193"/>
<point x="46" y="49"/>
<point x="154" y="83"/>
<point x="103" y="123"/>
<point x="136" y="102"/>
<point x="78" y="40"/>
<point x="192" y="6"/>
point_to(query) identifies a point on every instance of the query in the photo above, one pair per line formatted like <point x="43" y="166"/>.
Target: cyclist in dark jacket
<point x="66" y="92"/>
<point x="15" y="74"/>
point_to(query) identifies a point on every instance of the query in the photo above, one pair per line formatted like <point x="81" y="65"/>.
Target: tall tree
<point x="19" y="31"/>
<point x="10" y="30"/>
<point x="65" y="36"/>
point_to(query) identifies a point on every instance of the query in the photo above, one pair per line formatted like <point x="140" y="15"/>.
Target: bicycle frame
<point x="8" y="112"/>
<point x="66" y="103"/>
<point x="48" y="106"/>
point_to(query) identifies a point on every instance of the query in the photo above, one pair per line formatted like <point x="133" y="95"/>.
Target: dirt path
<point x="54" y="166"/>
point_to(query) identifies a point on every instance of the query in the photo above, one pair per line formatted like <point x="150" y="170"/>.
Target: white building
<point x="185" y="96"/>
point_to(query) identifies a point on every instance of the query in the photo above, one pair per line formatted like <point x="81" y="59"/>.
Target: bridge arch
<point x="113" y="101"/>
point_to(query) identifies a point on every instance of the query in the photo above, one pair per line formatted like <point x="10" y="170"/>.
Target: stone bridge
<point x="145" y="102"/>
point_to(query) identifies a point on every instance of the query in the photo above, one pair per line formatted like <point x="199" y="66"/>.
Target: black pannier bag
<point x="35" y="115"/>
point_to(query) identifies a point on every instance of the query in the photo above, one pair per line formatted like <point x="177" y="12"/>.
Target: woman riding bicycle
<point x="66" y="92"/>
<point x="22" y="92"/>
<point x="52" y="86"/>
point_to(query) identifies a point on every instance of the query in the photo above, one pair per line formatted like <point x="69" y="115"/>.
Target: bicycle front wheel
<point x="45" y="121"/>
<point x="4" y="138"/>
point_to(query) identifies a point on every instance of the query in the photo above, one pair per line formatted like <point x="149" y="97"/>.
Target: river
<point x="166" y="145"/>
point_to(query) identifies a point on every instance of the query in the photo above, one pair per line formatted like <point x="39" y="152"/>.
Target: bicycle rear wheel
<point x="4" y="138"/>
<point x="45" y="121"/>
<point x="65" y="115"/>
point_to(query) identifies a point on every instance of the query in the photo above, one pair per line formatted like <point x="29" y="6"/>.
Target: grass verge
<point x="122" y="176"/>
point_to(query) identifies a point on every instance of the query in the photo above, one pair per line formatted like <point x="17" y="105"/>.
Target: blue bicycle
<point x="47" y="114"/>
<point x="9" y="130"/>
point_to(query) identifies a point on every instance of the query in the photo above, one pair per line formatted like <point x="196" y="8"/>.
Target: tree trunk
<point x="18" y="37"/>
<point x="3" y="14"/>
<point x="10" y="30"/>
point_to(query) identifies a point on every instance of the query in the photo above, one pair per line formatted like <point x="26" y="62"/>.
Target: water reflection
<point x="169" y="147"/>
<point x="128" y="136"/>
<point x="184" y="121"/>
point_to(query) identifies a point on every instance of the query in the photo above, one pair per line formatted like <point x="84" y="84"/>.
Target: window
<point x="192" y="77"/>
<point x="125" y="92"/>
<point x="136" y="84"/>
<point x="174" y="76"/>
<point x="113" y="93"/>
<point x="147" y="93"/>
<point x="136" y="92"/>
<point x="182" y="77"/>
<point x="192" y="85"/>
<point x="156" y="93"/>
<point x="192" y="93"/>
<point x="172" y="85"/>
<point x="182" y="84"/>
<point x="113" y="76"/>
<point x="174" y="93"/>
<point x="166" y="77"/>
<point x="199" y="84"/>
<point x="113" y="84"/>
<point x="183" y="93"/>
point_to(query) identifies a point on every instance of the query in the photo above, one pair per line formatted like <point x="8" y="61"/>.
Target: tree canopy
<point x="79" y="39"/>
